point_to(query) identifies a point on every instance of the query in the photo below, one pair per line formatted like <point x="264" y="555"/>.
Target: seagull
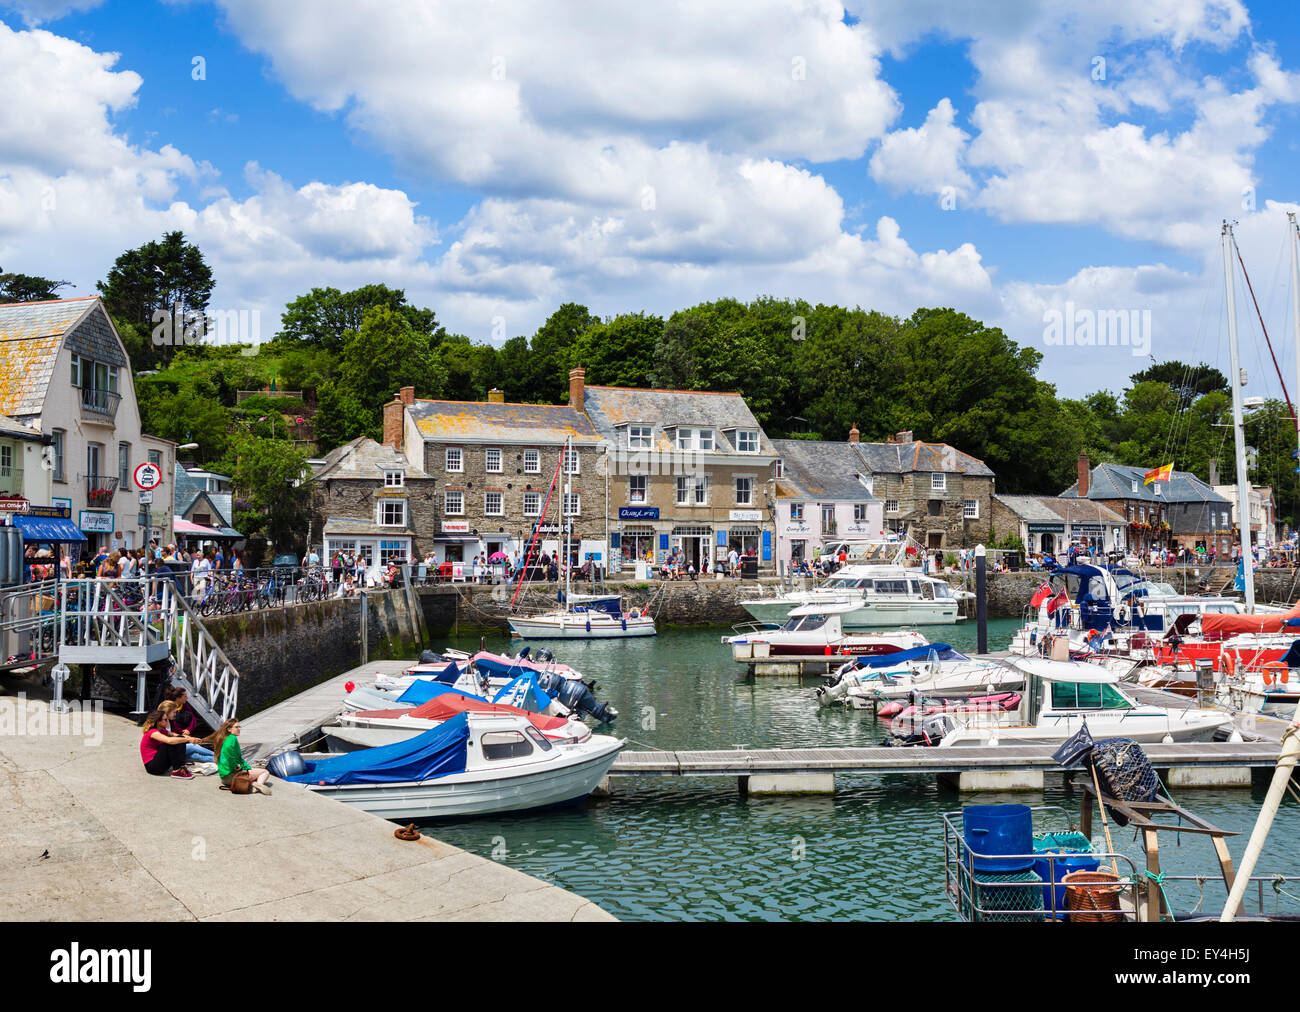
<point x="159" y="270"/>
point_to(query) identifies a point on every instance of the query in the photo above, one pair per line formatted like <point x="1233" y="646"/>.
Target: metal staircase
<point x="201" y="666"/>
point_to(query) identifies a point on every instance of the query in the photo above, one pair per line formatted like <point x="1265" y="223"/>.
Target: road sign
<point x="148" y="476"/>
<point x="14" y="504"/>
<point x="146" y="498"/>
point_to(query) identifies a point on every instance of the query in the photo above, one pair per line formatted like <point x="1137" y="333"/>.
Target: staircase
<point x="201" y="666"/>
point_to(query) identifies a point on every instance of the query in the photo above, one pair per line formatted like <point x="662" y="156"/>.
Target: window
<point x="938" y="482"/>
<point x="392" y="513"/>
<point x="695" y="439"/>
<point x="828" y="518"/>
<point x="859" y="512"/>
<point x="571" y="462"/>
<point x="692" y="491"/>
<point x="455" y="461"/>
<point x="796" y="511"/>
<point x="394" y="478"/>
<point x="972" y="511"/>
<point x="7" y="462"/>
<point x="636" y="488"/>
<point x="392" y="551"/>
<point x="494" y="504"/>
<point x="504" y="745"/>
<point x="93" y="456"/>
<point x="453" y="503"/>
<point x="155" y="458"/>
<point x="492" y="460"/>
<point x="76" y="370"/>
<point x="532" y="461"/>
<point x="744" y="491"/>
<point x="123" y="465"/>
<point x="891" y="505"/>
<point x="56" y="454"/>
<point x="638" y="437"/>
<point x="532" y="504"/>
<point x="780" y="468"/>
<point x="1087" y="696"/>
<point x="747" y="441"/>
<point x="572" y="504"/>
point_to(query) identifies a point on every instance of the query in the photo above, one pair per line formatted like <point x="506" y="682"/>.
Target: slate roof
<point x="1115" y="481"/>
<point x="489" y="422"/>
<point x="348" y="525"/>
<point x="31" y="334"/>
<point x="1050" y="509"/>
<point x="610" y="408"/>
<point x="365" y="460"/>
<point x="904" y="458"/>
<point x="819" y="469"/>
<point x="17" y="430"/>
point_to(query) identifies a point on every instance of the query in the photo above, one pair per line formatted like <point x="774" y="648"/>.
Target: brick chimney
<point x="853" y="434"/>
<point x="1085" y="476"/>
<point x="496" y="396"/>
<point x="577" y="388"/>
<point x="1214" y="473"/>
<point x="904" y="437"/>
<point x="406" y="395"/>
<point x="394" y="417"/>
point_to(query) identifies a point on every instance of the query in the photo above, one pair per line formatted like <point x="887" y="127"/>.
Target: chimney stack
<point x="1085" y="476"/>
<point x="853" y="434"/>
<point x="904" y="437"/>
<point x="394" y="418"/>
<point x="577" y="388"/>
<point x="406" y="395"/>
<point x="1214" y="473"/>
<point x="496" y="396"/>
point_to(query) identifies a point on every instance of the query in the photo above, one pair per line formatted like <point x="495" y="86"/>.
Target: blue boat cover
<point x="437" y="752"/>
<point x="609" y="605"/>
<point x="1293" y="622"/>
<point x="525" y="693"/>
<point x="424" y="689"/>
<point x="941" y="650"/>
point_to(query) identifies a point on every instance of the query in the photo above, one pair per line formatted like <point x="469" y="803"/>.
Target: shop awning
<point x="57" y="529"/>
<point x="185" y="527"/>
<point x="458" y="539"/>
<point x="230" y="532"/>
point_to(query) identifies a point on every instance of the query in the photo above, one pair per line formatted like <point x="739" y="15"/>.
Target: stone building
<point x="494" y="474"/>
<point x="935" y="494"/>
<point x="692" y="472"/>
<point x="1049" y="524"/>
<point x="821" y="496"/>
<point x="1263" y="512"/>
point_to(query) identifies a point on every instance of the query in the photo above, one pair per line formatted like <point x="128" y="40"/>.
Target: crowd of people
<point x="169" y="747"/>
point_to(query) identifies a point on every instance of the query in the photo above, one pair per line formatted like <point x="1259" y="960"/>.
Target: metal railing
<point x="201" y="666"/>
<point x="28" y="620"/>
<point x="100" y="489"/>
<point x="99" y="405"/>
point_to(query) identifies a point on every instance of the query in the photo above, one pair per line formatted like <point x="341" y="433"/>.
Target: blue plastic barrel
<point x="990" y="830"/>
<point x="1066" y="861"/>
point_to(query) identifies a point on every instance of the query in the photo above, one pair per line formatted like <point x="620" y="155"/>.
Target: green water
<point x="693" y="849"/>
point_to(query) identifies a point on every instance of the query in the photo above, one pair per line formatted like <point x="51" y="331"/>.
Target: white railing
<point x="28" y="616"/>
<point x="201" y="666"/>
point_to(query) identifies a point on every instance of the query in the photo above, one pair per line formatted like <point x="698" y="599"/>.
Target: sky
<point x="1057" y="169"/>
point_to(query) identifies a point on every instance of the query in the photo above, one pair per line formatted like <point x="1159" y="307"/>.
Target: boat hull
<point x="872" y="615"/>
<point x="576" y="629"/>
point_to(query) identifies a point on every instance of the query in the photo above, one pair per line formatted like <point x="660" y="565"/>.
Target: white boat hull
<point x="546" y="627"/>
<point x="872" y="615"/>
<point x="1144" y="729"/>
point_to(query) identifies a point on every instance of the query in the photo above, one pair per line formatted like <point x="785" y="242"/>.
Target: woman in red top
<point x="160" y="748"/>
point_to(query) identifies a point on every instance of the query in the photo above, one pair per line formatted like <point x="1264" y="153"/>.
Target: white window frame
<point x="640" y="437"/>
<point x="488" y="511"/>
<point x="572" y="504"/>
<point x="7" y="461"/>
<point x="536" y="511"/>
<point x="459" y="511"/>
<point x="971" y="509"/>
<point x="59" y="437"/>
<point x="633" y="496"/>
<point x="938" y="481"/>
<point x="532" y="462"/>
<point x="693" y="439"/>
<point x="796" y="511"/>
<point x="860" y="512"/>
<point x="748" y="498"/>
<point x="124" y="465"/>
<point x="383" y="511"/>
<point x="744" y="436"/>
<point x="487" y="460"/>
<point x="78" y="374"/>
<point x="394" y="477"/>
<point x="459" y="459"/>
<point x="891" y="505"/>
<point x="572" y="461"/>
<point x="780" y="467"/>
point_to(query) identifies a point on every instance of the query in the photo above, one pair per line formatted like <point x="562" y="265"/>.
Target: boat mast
<point x="567" y="522"/>
<point x="1235" y="380"/>
<point x="1295" y="307"/>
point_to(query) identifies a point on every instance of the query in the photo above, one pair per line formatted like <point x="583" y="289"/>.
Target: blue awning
<point x="47" y="528"/>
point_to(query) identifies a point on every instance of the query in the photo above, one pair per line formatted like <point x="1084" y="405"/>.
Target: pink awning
<point x="185" y="527"/>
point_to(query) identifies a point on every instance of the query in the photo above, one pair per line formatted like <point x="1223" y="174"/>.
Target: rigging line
<point x="537" y="531"/>
<point x="1255" y="302"/>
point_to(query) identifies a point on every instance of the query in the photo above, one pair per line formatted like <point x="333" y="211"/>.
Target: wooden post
<point x="365" y="628"/>
<point x="1151" y="843"/>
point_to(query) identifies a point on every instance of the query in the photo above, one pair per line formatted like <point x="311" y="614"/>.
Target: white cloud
<point x="37" y="12"/>
<point x="924" y="159"/>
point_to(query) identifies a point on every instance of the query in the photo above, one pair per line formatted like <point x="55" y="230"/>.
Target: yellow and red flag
<point x="1159" y="474"/>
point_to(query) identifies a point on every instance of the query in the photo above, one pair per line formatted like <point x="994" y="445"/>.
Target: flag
<point x="1059" y="601"/>
<point x="1159" y="474"/>
<point x="1040" y="595"/>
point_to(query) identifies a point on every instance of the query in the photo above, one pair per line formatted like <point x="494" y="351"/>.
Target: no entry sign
<point x="148" y="476"/>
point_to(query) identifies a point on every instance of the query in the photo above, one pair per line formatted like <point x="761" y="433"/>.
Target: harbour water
<point x="696" y="850"/>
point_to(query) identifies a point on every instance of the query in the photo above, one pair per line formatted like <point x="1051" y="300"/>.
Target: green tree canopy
<point x="29" y="287"/>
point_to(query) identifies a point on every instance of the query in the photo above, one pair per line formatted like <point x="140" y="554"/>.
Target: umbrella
<point x="495" y="556"/>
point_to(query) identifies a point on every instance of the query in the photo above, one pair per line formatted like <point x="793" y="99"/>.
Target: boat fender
<point x="588" y="625"/>
<point x="633" y="614"/>
<point x="286" y="764"/>
<point x="624" y="621"/>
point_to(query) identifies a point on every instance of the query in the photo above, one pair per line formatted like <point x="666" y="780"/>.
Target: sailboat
<point x="581" y="616"/>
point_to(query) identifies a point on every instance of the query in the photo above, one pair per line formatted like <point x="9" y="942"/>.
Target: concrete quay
<point x="87" y="835"/>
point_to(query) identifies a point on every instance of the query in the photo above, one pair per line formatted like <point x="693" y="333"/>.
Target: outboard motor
<point x="930" y="733"/>
<point x="544" y="655"/>
<point x="286" y="764"/>
<point x="576" y="695"/>
<point x="429" y="657"/>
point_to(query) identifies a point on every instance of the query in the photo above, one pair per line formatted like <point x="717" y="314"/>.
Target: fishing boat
<point x="816" y="630"/>
<point x="1060" y="695"/>
<point x="933" y="670"/>
<point x="473" y="764"/>
<point x="883" y="596"/>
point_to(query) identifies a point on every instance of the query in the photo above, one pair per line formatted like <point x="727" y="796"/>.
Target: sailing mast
<point x="1295" y="309"/>
<point x="1236" y="379"/>
<point x="567" y="522"/>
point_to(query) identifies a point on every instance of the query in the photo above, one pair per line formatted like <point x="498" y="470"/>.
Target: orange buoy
<point x="1226" y="663"/>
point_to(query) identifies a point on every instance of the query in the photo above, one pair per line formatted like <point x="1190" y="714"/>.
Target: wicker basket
<point x="1093" y="896"/>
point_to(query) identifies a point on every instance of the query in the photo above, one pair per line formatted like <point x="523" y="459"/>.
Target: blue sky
<point x="499" y="159"/>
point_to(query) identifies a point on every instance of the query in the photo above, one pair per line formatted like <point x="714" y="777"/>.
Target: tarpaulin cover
<point x="525" y="693"/>
<point x="435" y="753"/>
<point x="609" y="605"/>
<point x="424" y="689"/>
<point x="449" y="704"/>
<point x="1227" y="624"/>
<point x="507" y="667"/>
<point x="940" y="650"/>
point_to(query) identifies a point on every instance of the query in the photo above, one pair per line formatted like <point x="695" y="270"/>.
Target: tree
<point x="618" y="352"/>
<point x="29" y="287"/>
<point x="550" y="353"/>
<point x="167" y="276"/>
<point x="1186" y="381"/>
<point x="324" y="316"/>
<point x="385" y="354"/>
<point x="273" y="477"/>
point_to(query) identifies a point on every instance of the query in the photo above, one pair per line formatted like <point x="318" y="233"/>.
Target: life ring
<point x="1226" y="663"/>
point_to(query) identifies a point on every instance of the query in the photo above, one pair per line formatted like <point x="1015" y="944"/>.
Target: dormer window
<point x="694" y="439"/>
<point x="1135" y="484"/>
<point x="780" y="468"/>
<point x="639" y="437"/>
<point x="394" y="477"/>
<point x="747" y="441"/>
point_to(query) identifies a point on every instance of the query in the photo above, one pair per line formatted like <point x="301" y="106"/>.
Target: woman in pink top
<point x="160" y="748"/>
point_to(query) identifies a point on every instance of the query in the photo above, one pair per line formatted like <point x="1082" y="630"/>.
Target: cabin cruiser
<point x="813" y="631"/>
<point x="1061" y="695"/>
<point x="884" y="596"/>
<point x="471" y="764"/>
<point x="585" y="616"/>
<point x="933" y="670"/>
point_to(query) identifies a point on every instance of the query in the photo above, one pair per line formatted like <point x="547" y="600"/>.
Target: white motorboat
<point x="1061" y="695"/>
<point x="586" y="617"/>
<point x="813" y="631"/>
<point x="473" y="764"/>
<point x="884" y="596"/>
<point x="936" y="670"/>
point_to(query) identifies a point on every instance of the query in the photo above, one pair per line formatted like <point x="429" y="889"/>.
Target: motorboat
<point x="813" y="631"/>
<point x="1061" y="695"/>
<point x="884" y="596"/>
<point x="933" y="670"/>
<point x="472" y="764"/>
<point x="585" y="616"/>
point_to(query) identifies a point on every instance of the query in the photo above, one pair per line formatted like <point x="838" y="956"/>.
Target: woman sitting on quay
<point x="185" y="722"/>
<point x="161" y="748"/>
<point x="226" y="744"/>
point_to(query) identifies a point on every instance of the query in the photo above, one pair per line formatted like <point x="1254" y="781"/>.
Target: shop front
<point x="1046" y="538"/>
<point x="637" y="543"/>
<point x="692" y="545"/>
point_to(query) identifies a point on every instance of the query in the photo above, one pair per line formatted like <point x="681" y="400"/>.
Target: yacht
<point x="883" y="595"/>
<point x="813" y="631"/>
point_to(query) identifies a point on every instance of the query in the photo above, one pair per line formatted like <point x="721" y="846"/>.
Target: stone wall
<point x="282" y="651"/>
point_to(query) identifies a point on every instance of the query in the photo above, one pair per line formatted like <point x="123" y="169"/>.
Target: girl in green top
<point x="225" y="743"/>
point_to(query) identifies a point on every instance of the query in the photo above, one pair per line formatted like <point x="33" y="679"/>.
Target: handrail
<point x="201" y="666"/>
